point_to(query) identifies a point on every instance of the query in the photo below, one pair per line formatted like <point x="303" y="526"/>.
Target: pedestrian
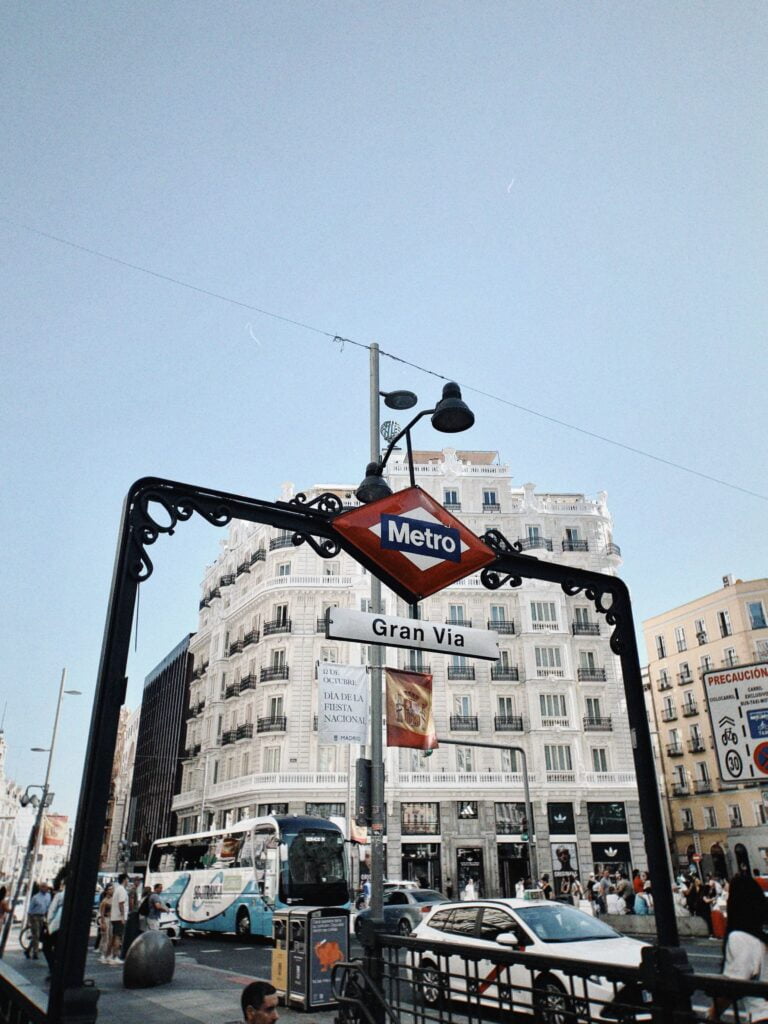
<point x="449" y="888"/>
<point x="637" y="882"/>
<point x="699" y="903"/>
<point x="157" y="907"/>
<point x="520" y="888"/>
<point x="5" y="907"/>
<point x="104" y="938"/>
<point x="38" y="908"/>
<point x="603" y="887"/>
<point x="366" y="894"/>
<point x="746" y="956"/>
<point x="53" y="920"/>
<point x="118" y="915"/>
<point x="546" y="888"/>
<point x="470" y="892"/>
<point x="625" y="891"/>
<point x="259" y="1003"/>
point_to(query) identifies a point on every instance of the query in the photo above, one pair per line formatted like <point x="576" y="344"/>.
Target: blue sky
<point x="559" y="204"/>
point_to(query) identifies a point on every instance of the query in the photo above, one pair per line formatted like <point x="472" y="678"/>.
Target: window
<point x="675" y="741"/>
<point x="572" y="536"/>
<point x="331" y="568"/>
<point x="552" y="705"/>
<point x="328" y="655"/>
<point x="280" y="614"/>
<point x="451" y="498"/>
<point x="599" y="759"/>
<point x="543" y="615"/>
<point x="661" y="647"/>
<point x="680" y="638"/>
<point x="533" y="532"/>
<point x="464" y="761"/>
<point x="270" y="759"/>
<point x="462" y="706"/>
<point x="366" y="605"/>
<point x="420" y="818"/>
<point x="557" y="757"/>
<point x="702" y="771"/>
<point x="326" y="758"/>
<point x="264" y="809"/>
<point x="710" y="817"/>
<point x="509" y="761"/>
<point x="700" y="628"/>
<point x="275" y="707"/>
<point x="734" y="816"/>
<point x="760" y="812"/>
<point x="581" y="615"/>
<point x="490" y="498"/>
<point x="498" y="613"/>
<point x="284" y="569"/>
<point x="756" y="614"/>
<point x="730" y="657"/>
<point x="506" y="707"/>
<point x="761" y="650"/>
<point x="686" y="818"/>
<point x="724" y="622"/>
<point x="548" y="661"/>
<point x="706" y="663"/>
<point x="244" y="761"/>
<point x="278" y="658"/>
<point x="215" y="772"/>
<point x="510" y="818"/>
<point x="664" y="682"/>
<point x="325" y="810"/>
<point x="456" y="613"/>
<point x="587" y="660"/>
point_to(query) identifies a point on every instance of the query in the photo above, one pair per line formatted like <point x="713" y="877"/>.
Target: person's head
<point x="746" y="910"/>
<point x="43" y="887"/>
<point x="158" y="887"/>
<point x="121" y="878"/>
<point x="606" y="872"/>
<point x="259" y="1003"/>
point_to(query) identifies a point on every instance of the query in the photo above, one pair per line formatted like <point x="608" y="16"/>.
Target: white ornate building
<point x="556" y="691"/>
<point x="10" y="793"/>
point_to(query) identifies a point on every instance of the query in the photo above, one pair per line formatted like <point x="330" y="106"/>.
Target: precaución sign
<point x="737" y="699"/>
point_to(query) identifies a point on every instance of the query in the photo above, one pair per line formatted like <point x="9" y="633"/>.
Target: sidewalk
<point x="197" y="994"/>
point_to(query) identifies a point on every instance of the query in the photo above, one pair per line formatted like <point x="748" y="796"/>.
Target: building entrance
<point x="513" y="866"/>
<point x="421" y="863"/>
<point x="470" y="872"/>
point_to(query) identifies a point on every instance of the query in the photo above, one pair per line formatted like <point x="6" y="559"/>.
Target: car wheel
<point x="404" y="927"/>
<point x="430" y="984"/>
<point x="243" y="926"/>
<point x="25" y="938"/>
<point x="551" y="1004"/>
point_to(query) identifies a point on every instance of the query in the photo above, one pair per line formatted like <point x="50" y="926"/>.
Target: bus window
<point x="226" y="851"/>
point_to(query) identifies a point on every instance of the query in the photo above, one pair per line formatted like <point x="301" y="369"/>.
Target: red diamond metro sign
<point x="415" y="541"/>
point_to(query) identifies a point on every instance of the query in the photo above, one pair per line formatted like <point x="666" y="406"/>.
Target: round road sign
<point x="760" y="757"/>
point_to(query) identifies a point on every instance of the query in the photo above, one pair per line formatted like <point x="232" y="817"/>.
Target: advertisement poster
<point x="55" y="828"/>
<point x="342" y="703"/>
<point x="409" y="710"/>
<point x="329" y="944"/>
<point x="565" y="867"/>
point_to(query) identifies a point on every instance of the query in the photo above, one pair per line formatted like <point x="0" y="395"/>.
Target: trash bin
<point x="318" y="938"/>
<point x="280" y="954"/>
<point x="718" y="924"/>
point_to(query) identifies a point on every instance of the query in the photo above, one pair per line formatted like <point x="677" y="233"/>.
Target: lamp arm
<point x="405" y="430"/>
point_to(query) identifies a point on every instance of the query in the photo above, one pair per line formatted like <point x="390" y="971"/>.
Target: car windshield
<point x="562" y="923"/>
<point x="426" y="895"/>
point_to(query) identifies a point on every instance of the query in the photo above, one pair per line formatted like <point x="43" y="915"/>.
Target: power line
<point x="335" y="337"/>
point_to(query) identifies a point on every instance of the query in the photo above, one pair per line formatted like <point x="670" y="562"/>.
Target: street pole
<point x="377" y="657"/>
<point x="39" y="837"/>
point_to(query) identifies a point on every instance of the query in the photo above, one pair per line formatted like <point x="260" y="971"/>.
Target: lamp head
<point x="452" y="414"/>
<point x="373" y="486"/>
<point x="399" y="399"/>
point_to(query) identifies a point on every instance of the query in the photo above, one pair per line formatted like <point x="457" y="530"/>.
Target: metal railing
<point x="459" y="622"/>
<point x="248" y="682"/>
<point x="575" y="545"/>
<point x="593" y="674"/>
<point x="468" y="672"/>
<point x="510" y="673"/>
<point x="598" y="724"/>
<point x="528" y="543"/>
<point x="281" y="542"/>
<point x="463" y="723"/>
<point x="585" y="628"/>
<point x="20" y="1002"/>
<point x="275" y="672"/>
<point x="508" y="723"/>
<point x="504" y="626"/>
<point x="276" y="723"/>
<point x="277" y="626"/>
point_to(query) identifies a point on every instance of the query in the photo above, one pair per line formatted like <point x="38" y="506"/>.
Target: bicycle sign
<point x="737" y="700"/>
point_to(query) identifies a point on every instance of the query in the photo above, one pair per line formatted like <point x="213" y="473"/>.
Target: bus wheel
<point x="243" y="926"/>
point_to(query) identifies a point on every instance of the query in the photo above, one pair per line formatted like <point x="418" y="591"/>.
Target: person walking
<point x="746" y="955"/>
<point x="699" y="904"/>
<point x="118" y="915"/>
<point x="157" y="907"/>
<point x="38" y="908"/>
<point x="103" y="922"/>
<point x="53" y="920"/>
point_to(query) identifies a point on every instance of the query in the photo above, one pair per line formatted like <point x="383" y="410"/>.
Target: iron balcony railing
<point x="193" y="751"/>
<point x="216" y="592"/>
<point x="456" y="672"/>
<point x="575" y="545"/>
<point x="243" y="567"/>
<point x="508" y="673"/>
<point x="585" y="628"/>
<point x="260" y="555"/>
<point x="228" y="737"/>
<point x="529" y="543"/>
<point x="232" y="690"/>
<point x="593" y="724"/>
<point x="416" y="666"/>
<point x="275" y="672"/>
<point x="613" y="549"/>
<point x="464" y="723"/>
<point x="459" y="622"/>
<point x="681" y="789"/>
<point x="696" y="746"/>
<point x="320" y="625"/>
<point x="684" y="678"/>
<point x="504" y="626"/>
<point x="491" y="506"/>
<point x="235" y="647"/>
<point x="245" y="731"/>
<point x="251" y="637"/>
<point x="281" y="542"/>
<point x="690" y="707"/>
<point x="227" y="580"/>
<point x="248" y="682"/>
<point x="276" y="723"/>
<point x="675" y="750"/>
<point x="703" y="785"/>
<point x="508" y="723"/>
<point x="668" y="714"/>
<point x="665" y="683"/>
<point x="277" y="626"/>
<point x="591" y="674"/>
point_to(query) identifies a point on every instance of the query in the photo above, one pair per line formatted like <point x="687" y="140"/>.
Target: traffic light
<point x="363" y="791"/>
<point x="524" y="835"/>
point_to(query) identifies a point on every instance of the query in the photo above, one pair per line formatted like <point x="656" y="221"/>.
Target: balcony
<point x="276" y="723"/>
<point x="703" y="785"/>
<point x="592" y="674"/>
<point x="192" y="751"/>
<point x="681" y="789"/>
<point x="558" y="778"/>
<point x="491" y="506"/>
<point x="506" y="673"/>
<point x="507" y="628"/>
<point x="675" y="750"/>
<point x="320" y="625"/>
<point x="196" y="709"/>
<point x="277" y="626"/>
<point x="508" y="723"/>
<point x="228" y="737"/>
<point x="416" y="666"/>
<point x="251" y="637"/>
<point x="259" y="556"/>
<point x="243" y="567"/>
<point x="248" y="682"/>
<point x="216" y="592"/>
<point x="684" y="678"/>
<point x="231" y="691"/>
<point x="463" y="723"/>
<point x="555" y="723"/>
<point x="459" y="622"/>
<point x="204" y="602"/>
<point x="529" y="543"/>
<point x="575" y="545"/>
<point x="665" y="684"/>
<point x="235" y="647"/>
<point x="275" y="672"/>
<point x="690" y="708"/>
<point x="730" y="662"/>
<point x="598" y="724"/>
<point x="585" y="628"/>
<point x="454" y="672"/>
<point x="227" y="580"/>
<point x="696" y="746"/>
<point x="613" y="549"/>
<point x="452" y="506"/>
<point x="668" y="715"/>
<point x="245" y="731"/>
<point x="422" y="827"/>
<point x="281" y="542"/>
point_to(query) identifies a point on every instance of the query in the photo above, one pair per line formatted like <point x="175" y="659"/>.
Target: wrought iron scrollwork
<point x="146" y="528"/>
<point x="491" y="578"/>
<point x="326" y="547"/>
<point x="597" y="594"/>
<point x="327" y="502"/>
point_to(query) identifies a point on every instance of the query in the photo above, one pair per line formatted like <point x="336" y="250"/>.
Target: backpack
<point x="144" y="906"/>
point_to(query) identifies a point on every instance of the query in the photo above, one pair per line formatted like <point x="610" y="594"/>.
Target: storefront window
<point x="420" y="819"/>
<point x="607" y="819"/>
<point x="560" y="817"/>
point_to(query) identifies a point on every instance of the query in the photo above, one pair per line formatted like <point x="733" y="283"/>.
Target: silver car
<point x="404" y="909"/>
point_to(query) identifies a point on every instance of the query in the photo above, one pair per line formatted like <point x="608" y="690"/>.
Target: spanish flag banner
<point x="409" y="710"/>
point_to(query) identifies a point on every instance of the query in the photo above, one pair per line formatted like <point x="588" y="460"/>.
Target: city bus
<point x="232" y="879"/>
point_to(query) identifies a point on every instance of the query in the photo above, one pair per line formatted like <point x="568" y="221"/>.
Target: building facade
<point x="10" y="794"/>
<point x="556" y="692"/>
<point x="122" y="778"/>
<point x="723" y="629"/>
<point x="159" y="746"/>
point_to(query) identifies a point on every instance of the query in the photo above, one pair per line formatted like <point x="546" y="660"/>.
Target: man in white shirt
<point x="118" y="916"/>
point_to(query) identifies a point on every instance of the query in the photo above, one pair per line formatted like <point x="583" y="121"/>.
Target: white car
<point x="542" y="927"/>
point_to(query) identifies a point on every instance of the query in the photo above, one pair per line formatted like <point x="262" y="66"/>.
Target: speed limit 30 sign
<point x="737" y="699"/>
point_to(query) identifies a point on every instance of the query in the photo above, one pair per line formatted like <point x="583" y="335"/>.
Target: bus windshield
<point x="315" y="872"/>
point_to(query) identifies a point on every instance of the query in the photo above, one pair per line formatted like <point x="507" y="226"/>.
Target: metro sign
<point x="415" y="541"/>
